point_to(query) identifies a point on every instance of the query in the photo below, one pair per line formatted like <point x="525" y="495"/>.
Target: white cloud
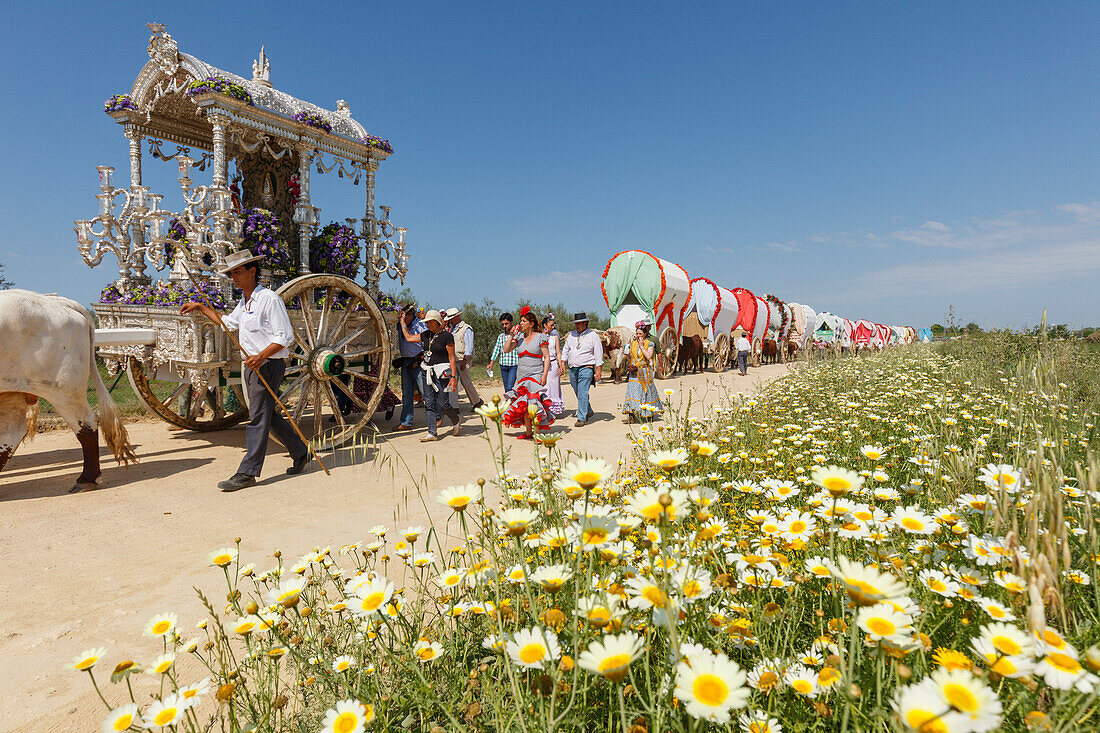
<point x="1082" y="212"/>
<point x="551" y="283"/>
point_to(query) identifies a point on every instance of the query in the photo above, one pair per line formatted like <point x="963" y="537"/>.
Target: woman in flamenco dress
<point x="530" y="407"/>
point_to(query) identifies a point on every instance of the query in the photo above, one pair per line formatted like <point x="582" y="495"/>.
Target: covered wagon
<point x="638" y="285"/>
<point x="715" y="310"/>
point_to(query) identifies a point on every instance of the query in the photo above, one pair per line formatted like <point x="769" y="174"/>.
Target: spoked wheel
<point x="668" y="352"/>
<point x="721" y="353"/>
<point x="340" y="361"/>
<point x="217" y="407"/>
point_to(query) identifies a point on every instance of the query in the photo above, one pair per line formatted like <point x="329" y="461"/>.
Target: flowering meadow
<point x="903" y="541"/>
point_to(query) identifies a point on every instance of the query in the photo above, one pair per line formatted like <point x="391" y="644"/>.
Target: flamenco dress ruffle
<point x="525" y="397"/>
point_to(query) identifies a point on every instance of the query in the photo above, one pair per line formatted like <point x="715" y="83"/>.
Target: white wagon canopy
<point x="636" y="286"/>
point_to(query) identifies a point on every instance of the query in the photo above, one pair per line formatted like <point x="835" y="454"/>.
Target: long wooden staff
<point x="257" y="371"/>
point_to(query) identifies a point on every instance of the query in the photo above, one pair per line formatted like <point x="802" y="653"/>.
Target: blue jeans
<point x="437" y="401"/>
<point x="580" y="379"/>
<point x="412" y="378"/>
<point x="743" y="361"/>
<point x="508" y="375"/>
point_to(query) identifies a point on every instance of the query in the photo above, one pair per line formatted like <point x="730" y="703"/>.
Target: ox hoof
<point x="80" y="488"/>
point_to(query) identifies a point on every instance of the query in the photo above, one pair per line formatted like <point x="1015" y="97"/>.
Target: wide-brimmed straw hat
<point x="452" y="312"/>
<point x="238" y="258"/>
<point x="433" y="315"/>
<point x="578" y="317"/>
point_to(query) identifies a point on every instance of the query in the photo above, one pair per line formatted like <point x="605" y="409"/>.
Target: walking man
<point x="583" y="353"/>
<point x="509" y="361"/>
<point x="464" y="357"/>
<point x="264" y="330"/>
<point x="409" y="356"/>
<point x="743" y="348"/>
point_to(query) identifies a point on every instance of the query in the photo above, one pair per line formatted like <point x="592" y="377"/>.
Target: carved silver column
<point x="137" y="229"/>
<point x="305" y="215"/>
<point x="220" y="177"/>
<point x="369" y="230"/>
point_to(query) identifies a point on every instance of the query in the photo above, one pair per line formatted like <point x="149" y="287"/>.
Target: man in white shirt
<point x="264" y="331"/>
<point x="583" y="353"/>
<point x="743" y="348"/>
<point x="464" y="356"/>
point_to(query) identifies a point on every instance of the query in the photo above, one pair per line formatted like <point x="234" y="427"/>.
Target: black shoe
<point x="480" y="403"/>
<point x="299" y="465"/>
<point x="236" y="482"/>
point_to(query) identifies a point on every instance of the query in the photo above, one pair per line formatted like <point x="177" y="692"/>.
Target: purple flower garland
<point x="118" y="103"/>
<point x="377" y="142"/>
<point x="163" y="293"/>
<point x="263" y="236"/>
<point x="218" y="85"/>
<point x="313" y="120"/>
<point x="335" y="249"/>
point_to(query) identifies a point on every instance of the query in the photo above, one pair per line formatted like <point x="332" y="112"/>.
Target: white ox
<point x="46" y="351"/>
<point x="616" y="349"/>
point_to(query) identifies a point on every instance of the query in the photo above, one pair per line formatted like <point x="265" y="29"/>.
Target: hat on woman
<point x="644" y="323"/>
<point x="238" y="258"/>
<point x="433" y="315"/>
<point x="578" y="317"/>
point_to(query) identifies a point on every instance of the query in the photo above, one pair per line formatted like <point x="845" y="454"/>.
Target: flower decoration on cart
<point x="219" y="85"/>
<point x="336" y="250"/>
<point x="169" y="293"/>
<point x="377" y="142"/>
<point x="119" y="102"/>
<point x="313" y="120"/>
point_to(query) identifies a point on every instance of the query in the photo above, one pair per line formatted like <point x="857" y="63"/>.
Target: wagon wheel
<point x="340" y="358"/>
<point x="185" y="407"/>
<point x="721" y="353"/>
<point x="668" y="353"/>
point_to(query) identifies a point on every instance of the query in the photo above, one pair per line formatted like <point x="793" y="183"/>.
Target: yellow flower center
<point x="692" y="588"/>
<point x="827" y="676"/>
<point x="427" y="653"/>
<point x="532" y="653"/>
<point x="1053" y="639"/>
<point x="819" y="570"/>
<point x="594" y="535"/>
<point x="925" y="721"/>
<point x="836" y="483"/>
<point x="937" y="585"/>
<point x="614" y="667"/>
<point x="164" y="717"/>
<point x="914" y="524"/>
<point x="223" y="559"/>
<point x="767" y="681"/>
<point x="798" y="526"/>
<point x="881" y="626"/>
<point x="655" y="596"/>
<point x="996" y="612"/>
<point x="802" y="686"/>
<point x="162" y="667"/>
<point x="1006" y="646"/>
<point x="457" y="501"/>
<point x="86" y="663"/>
<point x="123" y="722"/>
<point x="161" y="627"/>
<point x="1063" y="662"/>
<point x="710" y="689"/>
<point x="373" y="601"/>
<point x="587" y="479"/>
<point x="960" y="698"/>
<point x="345" y="723"/>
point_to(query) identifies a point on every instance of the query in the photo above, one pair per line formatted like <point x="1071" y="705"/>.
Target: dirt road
<point x="86" y="570"/>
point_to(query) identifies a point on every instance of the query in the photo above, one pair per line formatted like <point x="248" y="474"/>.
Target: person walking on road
<point x="530" y="408"/>
<point x="464" y="357"/>
<point x="583" y="354"/>
<point x="641" y="401"/>
<point x="553" y="377"/>
<point x="439" y="369"/>
<point x="410" y="354"/>
<point x="507" y="359"/>
<point x="264" y="331"/>
<point x="744" y="348"/>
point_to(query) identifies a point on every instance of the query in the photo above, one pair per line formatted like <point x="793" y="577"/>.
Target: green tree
<point x="4" y="282"/>
<point x="937" y="329"/>
<point x="973" y="328"/>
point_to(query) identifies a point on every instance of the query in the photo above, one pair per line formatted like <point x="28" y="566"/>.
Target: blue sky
<point x="876" y="160"/>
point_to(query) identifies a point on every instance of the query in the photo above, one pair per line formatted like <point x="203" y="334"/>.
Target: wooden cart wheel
<point x="340" y="358"/>
<point x="721" y="353"/>
<point x="184" y="407"/>
<point x="668" y="353"/>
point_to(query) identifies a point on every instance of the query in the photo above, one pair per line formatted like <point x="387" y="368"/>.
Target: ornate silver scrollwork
<point x="181" y="150"/>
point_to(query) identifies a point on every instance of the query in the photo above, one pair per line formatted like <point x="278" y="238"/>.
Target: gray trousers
<point x="264" y="416"/>
<point x="467" y="384"/>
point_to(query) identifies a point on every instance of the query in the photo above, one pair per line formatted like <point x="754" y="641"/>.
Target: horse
<point x="691" y="353"/>
<point x="47" y="351"/>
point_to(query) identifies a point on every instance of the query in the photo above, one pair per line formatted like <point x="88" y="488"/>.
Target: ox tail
<point x="32" y="421"/>
<point x="114" y="432"/>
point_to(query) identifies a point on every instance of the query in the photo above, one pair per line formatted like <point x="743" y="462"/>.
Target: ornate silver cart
<point x="183" y="366"/>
